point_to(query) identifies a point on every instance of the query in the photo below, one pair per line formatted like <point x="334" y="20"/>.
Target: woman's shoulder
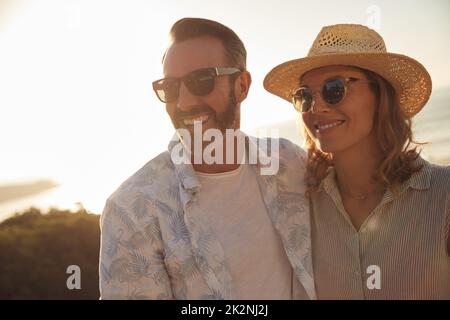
<point x="437" y="169"/>
<point x="439" y="174"/>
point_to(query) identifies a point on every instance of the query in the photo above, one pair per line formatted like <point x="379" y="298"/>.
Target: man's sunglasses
<point x="199" y="83"/>
<point x="332" y="91"/>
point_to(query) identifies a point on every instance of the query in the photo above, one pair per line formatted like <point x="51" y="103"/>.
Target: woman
<point x="380" y="213"/>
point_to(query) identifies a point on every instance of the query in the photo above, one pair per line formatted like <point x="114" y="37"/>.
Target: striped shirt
<point x="400" y="251"/>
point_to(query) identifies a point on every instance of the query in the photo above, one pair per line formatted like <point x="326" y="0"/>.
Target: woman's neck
<point x="355" y="168"/>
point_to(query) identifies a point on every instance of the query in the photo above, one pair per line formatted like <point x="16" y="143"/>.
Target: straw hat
<point x="356" y="45"/>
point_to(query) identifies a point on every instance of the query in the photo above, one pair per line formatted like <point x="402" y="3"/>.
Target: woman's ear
<point x="242" y="86"/>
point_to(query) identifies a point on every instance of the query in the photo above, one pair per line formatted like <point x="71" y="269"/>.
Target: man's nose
<point x="185" y="99"/>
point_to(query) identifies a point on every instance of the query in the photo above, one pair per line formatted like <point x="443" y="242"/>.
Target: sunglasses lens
<point x="303" y="99"/>
<point x="166" y="90"/>
<point x="333" y="91"/>
<point x="200" y="83"/>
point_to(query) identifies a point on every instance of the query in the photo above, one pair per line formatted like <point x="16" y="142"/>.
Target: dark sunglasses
<point x="332" y="91"/>
<point x="199" y="82"/>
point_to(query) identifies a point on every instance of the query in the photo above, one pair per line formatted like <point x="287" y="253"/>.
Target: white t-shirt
<point x="231" y="203"/>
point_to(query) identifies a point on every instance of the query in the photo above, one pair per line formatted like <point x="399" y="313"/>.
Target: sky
<point x="76" y="103"/>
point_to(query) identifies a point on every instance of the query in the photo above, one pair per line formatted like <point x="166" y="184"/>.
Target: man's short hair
<point x="189" y="28"/>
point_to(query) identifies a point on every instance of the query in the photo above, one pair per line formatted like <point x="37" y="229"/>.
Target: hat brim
<point x="408" y="77"/>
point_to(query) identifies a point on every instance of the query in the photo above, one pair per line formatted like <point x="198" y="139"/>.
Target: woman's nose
<point x="318" y="105"/>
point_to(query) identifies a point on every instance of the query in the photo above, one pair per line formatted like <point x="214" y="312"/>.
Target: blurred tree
<point x="37" y="248"/>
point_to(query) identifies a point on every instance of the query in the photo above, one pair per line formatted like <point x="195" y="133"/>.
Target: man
<point x="186" y="227"/>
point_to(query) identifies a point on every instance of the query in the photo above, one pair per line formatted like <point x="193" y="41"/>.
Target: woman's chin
<point x="327" y="146"/>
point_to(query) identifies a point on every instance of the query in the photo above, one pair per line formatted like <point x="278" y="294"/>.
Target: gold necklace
<point x="361" y="197"/>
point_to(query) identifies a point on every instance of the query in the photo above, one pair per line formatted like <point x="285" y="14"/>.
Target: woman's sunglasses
<point x="332" y="91"/>
<point x="199" y="83"/>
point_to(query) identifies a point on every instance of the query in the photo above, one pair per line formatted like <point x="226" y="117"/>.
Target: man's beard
<point x="224" y="120"/>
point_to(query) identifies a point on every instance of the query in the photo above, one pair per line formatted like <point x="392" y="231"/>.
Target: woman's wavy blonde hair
<point x="394" y="136"/>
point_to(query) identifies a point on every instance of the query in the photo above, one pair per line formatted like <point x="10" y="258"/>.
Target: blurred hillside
<point x="37" y="248"/>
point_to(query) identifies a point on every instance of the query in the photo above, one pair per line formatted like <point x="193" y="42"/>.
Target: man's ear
<point x="242" y="86"/>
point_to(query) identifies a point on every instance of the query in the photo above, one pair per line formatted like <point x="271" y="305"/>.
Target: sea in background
<point x="431" y="125"/>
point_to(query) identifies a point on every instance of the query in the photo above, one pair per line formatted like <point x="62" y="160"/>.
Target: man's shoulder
<point x="290" y="158"/>
<point x="291" y="146"/>
<point x="286" y="146"/>
<point x="291" y="152"/>
<point x="155" y="176"/>
<point x="293" y="160"/>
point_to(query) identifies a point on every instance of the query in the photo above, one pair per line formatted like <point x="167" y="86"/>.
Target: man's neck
<point x="225" y="166"/>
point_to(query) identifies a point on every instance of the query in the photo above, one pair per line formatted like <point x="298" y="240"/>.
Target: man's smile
<point x="202" y="118"/>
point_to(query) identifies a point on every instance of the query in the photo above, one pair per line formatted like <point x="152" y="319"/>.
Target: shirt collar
<point x="189" y="183"/>
<point x="419" y="180"/>
<point x="184" y="171"/>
